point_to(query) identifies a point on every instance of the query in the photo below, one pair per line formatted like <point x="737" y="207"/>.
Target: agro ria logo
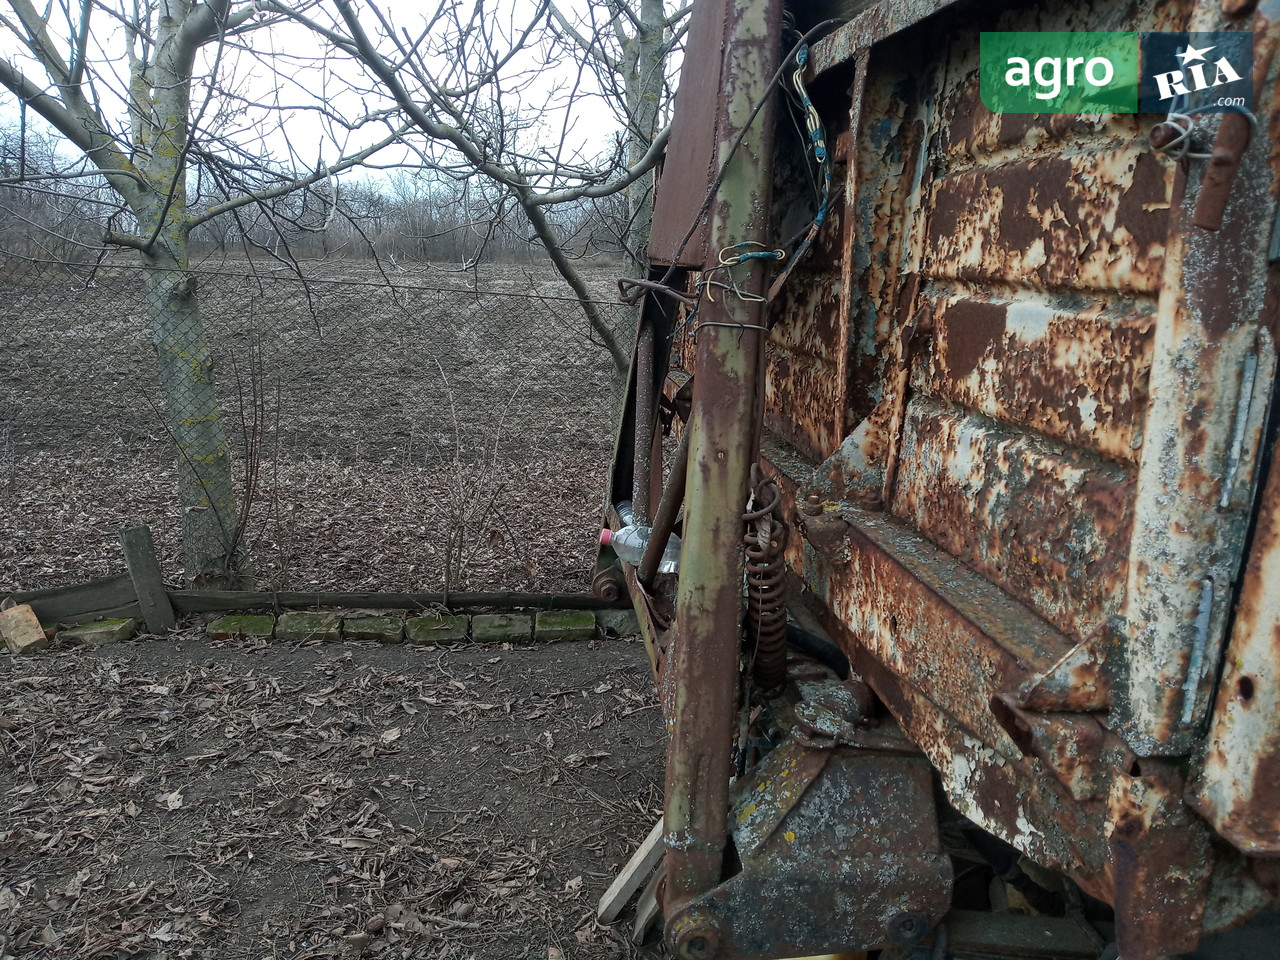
<point x="1122" y="72"/>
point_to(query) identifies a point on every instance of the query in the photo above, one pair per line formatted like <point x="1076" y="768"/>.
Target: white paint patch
<point x="1028" y="320"/>
<point x="1035" y="257"/>
<point x="1025" y="827"/>
<point x="1088" y="408"/>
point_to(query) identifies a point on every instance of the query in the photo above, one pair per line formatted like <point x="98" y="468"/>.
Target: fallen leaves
<point x="231" y="802"/>
<point x="169" y="801"/>
<point x="359" y="479"/>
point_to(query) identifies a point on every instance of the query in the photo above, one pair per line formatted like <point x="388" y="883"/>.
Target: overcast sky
<point x="307" y="79"/>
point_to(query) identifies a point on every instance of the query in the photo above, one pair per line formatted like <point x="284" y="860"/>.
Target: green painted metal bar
<point x="729" y="338"/>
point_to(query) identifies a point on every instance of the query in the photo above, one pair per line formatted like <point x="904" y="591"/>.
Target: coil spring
<point x="766" y="541"/>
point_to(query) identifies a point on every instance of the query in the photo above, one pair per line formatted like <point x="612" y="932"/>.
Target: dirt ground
<point x="408" y="438"/>
<point x="189" y="798"/>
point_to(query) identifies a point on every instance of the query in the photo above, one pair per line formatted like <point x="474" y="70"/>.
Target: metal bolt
<point x="812" y="506"/>
<point x="907" y="928"/>
<point x="697" y="940"/>
<point x="606" y="589"/>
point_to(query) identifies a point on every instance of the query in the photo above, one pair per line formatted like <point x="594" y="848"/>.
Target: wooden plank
<point x="210" y="601"/>
<point x="121" y="612"/>
<point x="1013" y="935"/>
<point x="647" y="909"/>
<point x="633" y="875"/>
<point x="148" y="582"/>
<point x="74" y="603"/>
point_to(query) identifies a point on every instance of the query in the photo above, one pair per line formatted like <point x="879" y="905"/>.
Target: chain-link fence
<point x="383" y="434"/>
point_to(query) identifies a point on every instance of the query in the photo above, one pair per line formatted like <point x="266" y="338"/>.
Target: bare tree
<point x="472" y="80"/>
<point x="147" y="92"/>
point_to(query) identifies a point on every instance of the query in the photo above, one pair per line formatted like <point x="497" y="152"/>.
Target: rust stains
<point x="1054" y="222"/>
<point x="1162" y="861"/>
<point x="928" y="617"/>
<point x="972" y="329"/>
<point x="1072" y="369"/>
<point x="1046" y="523"/>
<point x="690" y="154"/>
<point x="1238" y="787"/>
<point x="1009" y="797"/>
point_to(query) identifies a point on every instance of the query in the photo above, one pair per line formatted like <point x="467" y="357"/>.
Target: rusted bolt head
<point x="606" y="589"/>
<point x="812" y="506"/>
<point x="696" y="938"/>
<point x="907" y="928"/>
<point x="1162" y="134"/>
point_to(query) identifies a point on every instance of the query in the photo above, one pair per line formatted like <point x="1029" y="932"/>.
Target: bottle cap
<point x="606" y="536"/>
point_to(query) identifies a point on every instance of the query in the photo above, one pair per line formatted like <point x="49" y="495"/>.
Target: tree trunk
<point x="210" y="518"/>
<point x="159" y="111"/>
<point x="645" y="61"/>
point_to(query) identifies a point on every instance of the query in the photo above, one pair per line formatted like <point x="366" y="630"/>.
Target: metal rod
<point x="664" y="519"/>
<point x="655" y="472"/>
<point x="643" y="470"/>
<point x="1243" y="403"/>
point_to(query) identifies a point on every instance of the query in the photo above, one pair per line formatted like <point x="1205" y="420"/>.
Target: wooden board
<point x="633" y="875"/>
<point x="148" y="581"/>
<point x="84" y="601"/>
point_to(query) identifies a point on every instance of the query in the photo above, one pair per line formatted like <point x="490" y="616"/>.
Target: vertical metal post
<point x="709" y="606"/>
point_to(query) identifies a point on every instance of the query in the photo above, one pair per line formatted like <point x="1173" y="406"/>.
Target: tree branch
<point x="80" y="127"/>
<point x="296" y="184"/>
<point x="81" y="44"/>
<point x="591" y="48"/>
<point x="645" y="164"/>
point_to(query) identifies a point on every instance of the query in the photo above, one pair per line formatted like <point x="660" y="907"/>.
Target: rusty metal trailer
<point x="997" y="425"/>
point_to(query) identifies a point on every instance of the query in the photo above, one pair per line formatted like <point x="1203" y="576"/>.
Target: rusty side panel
<point x="1239" y="786"/>
<point x="804" y="389"/>
<point x="1015" y="400"/>
<point x="1047" y="523"/>
<point x="1068" y="367"/>
<point x="1057" y="386"/>
<point x="1044" y="242"/>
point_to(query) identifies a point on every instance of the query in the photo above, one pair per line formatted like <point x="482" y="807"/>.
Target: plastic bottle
<point x="630" y="542"/>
